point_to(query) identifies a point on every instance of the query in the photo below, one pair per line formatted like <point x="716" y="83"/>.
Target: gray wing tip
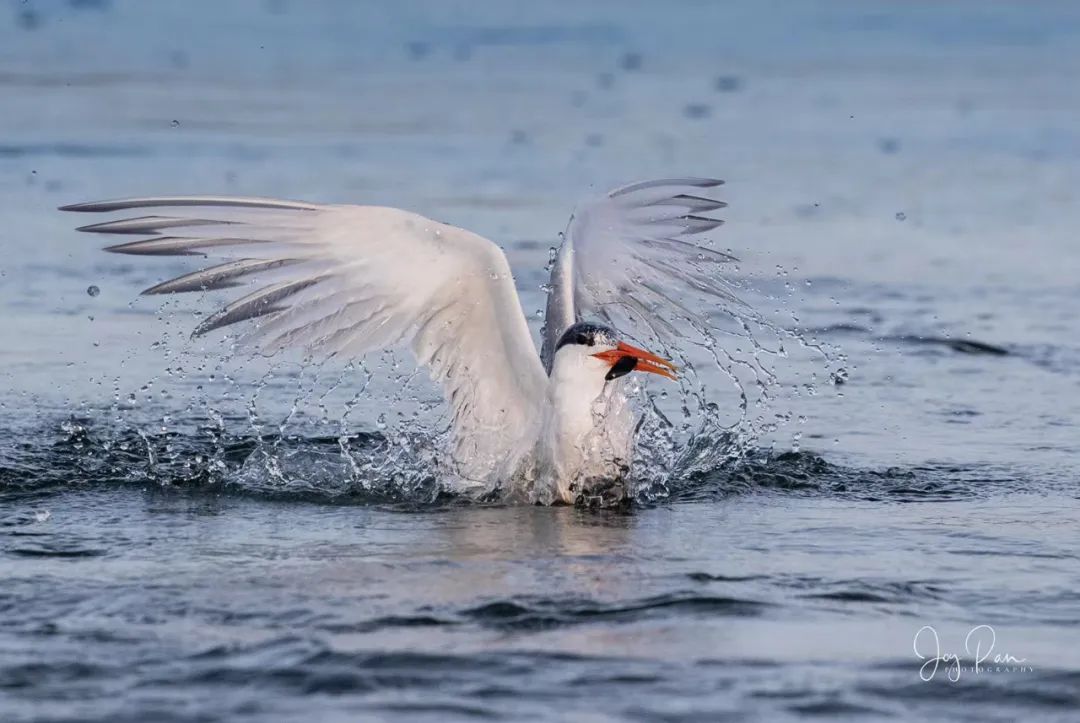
<point x="92" y="206"/>
<point x="211" y="323"/>
<point x="170" y="287"/>
<point x="700" y="204"/>
<point x="101" y="227"/>
<point x="691" y="182"/>
<point x="701" y="224"/>
<point x="154" y="247"/>
<point x="225" y="318"/>
<point x="108" y="206"/>
<point x="202" y="330"/>
<point x="99" y="206"/>
<point x="178" y="201"/>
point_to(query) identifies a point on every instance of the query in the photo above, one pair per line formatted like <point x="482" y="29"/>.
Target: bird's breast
<point x="585" y="441"/>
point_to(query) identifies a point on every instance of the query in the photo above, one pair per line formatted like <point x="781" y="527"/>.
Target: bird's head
<point x="595" y="351"/>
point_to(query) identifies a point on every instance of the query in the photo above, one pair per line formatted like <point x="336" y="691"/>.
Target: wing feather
<point x="348" y="280"/>
<point x="125" y="204"/>
<point x="222" y="276"/>
<point x="258" y="303"/>
<point x="145" y="225"/>
<point x="661" y="187"/>
<point x="641" y="250"/>
<point x="175" y="246"/>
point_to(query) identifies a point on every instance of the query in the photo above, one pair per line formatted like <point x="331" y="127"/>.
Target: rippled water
<point x="189" y="535"/>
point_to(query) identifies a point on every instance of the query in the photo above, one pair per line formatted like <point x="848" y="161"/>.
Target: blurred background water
<point x="182" y="537"/>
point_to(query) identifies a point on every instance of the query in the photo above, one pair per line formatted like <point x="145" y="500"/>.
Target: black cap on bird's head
<point x="587" y="333"/>
<point x="622" y="357"/>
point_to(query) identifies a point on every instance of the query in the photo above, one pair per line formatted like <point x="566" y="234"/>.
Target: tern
<point x="346" y="280"/>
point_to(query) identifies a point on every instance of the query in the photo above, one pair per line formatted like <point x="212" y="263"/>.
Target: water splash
<point x="403" y="470"/>
<point x="378" y="427"/>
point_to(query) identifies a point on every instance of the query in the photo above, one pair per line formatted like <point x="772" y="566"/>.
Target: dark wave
<point x="806" y="473"/>
<point x="539" y="614"/>
<point x="373" y="469"/>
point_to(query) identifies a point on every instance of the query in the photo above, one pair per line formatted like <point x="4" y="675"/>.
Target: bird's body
<point x="338" y="280"/>
<point x="586" y="432"/>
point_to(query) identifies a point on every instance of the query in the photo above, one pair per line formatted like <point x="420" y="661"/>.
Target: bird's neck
<point x="571" y="411"/>
<point x="582" y="438"/>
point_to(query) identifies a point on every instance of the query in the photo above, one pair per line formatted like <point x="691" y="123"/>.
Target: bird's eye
<point x="584" y="339"/>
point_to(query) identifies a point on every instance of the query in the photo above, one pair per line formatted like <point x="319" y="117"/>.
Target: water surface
<point x="186" y="535"/>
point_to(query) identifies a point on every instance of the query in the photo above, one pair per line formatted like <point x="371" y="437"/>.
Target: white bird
<point x="345" y="280"/>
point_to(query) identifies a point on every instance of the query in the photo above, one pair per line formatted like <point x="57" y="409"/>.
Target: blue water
<point x="187" y="535"/>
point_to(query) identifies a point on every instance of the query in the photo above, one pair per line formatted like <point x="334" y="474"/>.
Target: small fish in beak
<point x="625" y="358"/>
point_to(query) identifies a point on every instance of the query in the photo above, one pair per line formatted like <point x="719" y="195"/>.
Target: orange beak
<point x="644" y="361"/>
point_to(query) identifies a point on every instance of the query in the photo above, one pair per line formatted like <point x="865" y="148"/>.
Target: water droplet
<point x="888" y="145"/>
<point x="697" y="110"/>
<point x="728" y="83"/>
<point x="92" y="290"/>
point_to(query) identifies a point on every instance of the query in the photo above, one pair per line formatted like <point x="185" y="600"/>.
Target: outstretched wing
<point x="346" y="280"/>
<point x="638" y="256"/>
